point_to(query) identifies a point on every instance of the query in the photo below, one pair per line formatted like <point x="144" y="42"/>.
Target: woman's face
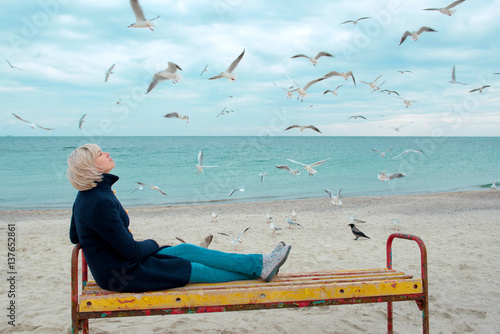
<point x="104" y="162"/>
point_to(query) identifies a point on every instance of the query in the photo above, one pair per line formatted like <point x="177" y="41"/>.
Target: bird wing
<point x="397" y="156"/>
<point x="313" y="128"/>
<point x="161" y="192"/>
<point x="424" y="28"/>
<point x="21" y="119"/>
<point x="312" y="82"/>
<point x="378" y="77"/>
<point x="363" y="18"/>
<point x="329" y="192"/>
<point x="300" y="163"/>
<point x="319" y="162"/>
<point x="232" y="191"/>
<point x="235" y="62"/>
<point x="173" y="67"/>
<point x="396" y="175"/>
<point x="453" y="4"/>
<point x="348" y="21"/>
<point x="453" y="74"/>
<point x="292" y="126"/>
<point x="406" y="34"/>
<point x="376" y="150"/>
<point x="82" y="119"/>
<point x="332" y="73"/>
<point x="172" y="115"/>
<point x="323" y="54"/>
<point x="283" y="167"/>
<point x="108" y="73"/>
<point x="154" y="82"/>
<point x="139" y="14"/>
<point x="239" y="237"/>
<point x="300" y="56"/>
<point x="352" y="76"/>
<point x="41" y="127"/>
<point x="339" y="87"/>
<point x="338" y="194"/>
<point x="389" y="150"/>
<point x="227" y="235"/>
<point x="180" y="240"/>
<point x="200" y="158"/>
<point x="215" y="77"/>
<point x="204" y="69"/>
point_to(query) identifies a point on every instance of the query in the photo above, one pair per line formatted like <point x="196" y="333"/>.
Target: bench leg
<point x="390" y="329"/>
<point x="85" y="326"/>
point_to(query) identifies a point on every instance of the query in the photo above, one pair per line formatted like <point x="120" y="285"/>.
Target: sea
<point x="33" y="169"/>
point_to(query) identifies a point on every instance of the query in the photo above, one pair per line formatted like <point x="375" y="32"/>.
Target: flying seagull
<point x="406" y="102"/>
<point x="398" y="127"/>
<point x="447" y="10"/>
<point x="382" y="154"/>
<point x="228" y="74"/>
<point x="309" y="168"/>
<point x="142" y="185"/>
<point x="415" y="34"/>
<point x="404" y="71"/>
<point x="235" y="241"/>
<point x="109" y="72"/>
<point x="407" y="152"/>
<point x="302" y="91"/>
<point x="334" y="92"/>
<point x="480" y="90"/>
<point x="356" y="117"/>
<point x="314" y="60"/>
<point x="31" y="124"/>
<point x="372" y="84"/>
<point x="200" y="165"/>
<point x="355" y="21"/>
<point x="292" y="171"/>
<point x="12" y="66"/>
<point x="344" y="75"/>
<point x="236" y="189"/>
<point x="303" y="127"/>
<point x="357" y="233"/>
<point x="176" y="115"/>
<point x="389" y="92"/>
<point x="336" y="200"/>
<point x="454" y="79"/>
<point x="169" y="74"/>
<point x="140" y="19"/>
<point x="261" y="175"/>
<point x="384" y="177"/>
<point x="81" y="121"/>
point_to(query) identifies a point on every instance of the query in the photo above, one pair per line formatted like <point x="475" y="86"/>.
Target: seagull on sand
<point x="309" y="167"/>
<point x="291" y="222"/>
<point x="314" y="60"/>
<point x="356" y="21"/>
<point x="356" y="117"/>
<point x="109" y="72"/>
<point x="382" y="154"/>
<point x="384" y="177"/>
<point x="228" y="74"/>
<point x="294" y="172"/>
<point x="407" y="152"/>
<point x="176" y="115"/>
<point x="454" y="79"/>
<point x="169" y="74"/>
<point x="372" y="84"/>
<point x="336" y="200"/>
<point x="81" y="121"/>
<point x="357" y="233"/>
<point x="356" y="220"/>
<point x="415" y="34"/>
<point x="214" y="216"/>
<point x="406" y="102"/>
<point x="140" y="19"/>
<point x="480" y="90"/>
<point x="344" y="75"/>
<point x="302" y="91"/>
<point x="200" y="165"/>
<point x="12" y="66"/>
<point x="205" y="243"/>
<point x="303" y="127"/>
<point x="397" y="128"/>
<point x="235" y="241"/>
<point x="447" y="10"/>
<point x="334" y="92"/>
<point x="142" y="185"/>
<point x="272" y="226"/>
<point x="33" y="125"/>
<point x="236" y="189"/>
<point x="261" y="175"/>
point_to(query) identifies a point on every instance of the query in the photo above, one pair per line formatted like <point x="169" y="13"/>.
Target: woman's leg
<point x="201" y="273"/>
<point x="247" y="264"/>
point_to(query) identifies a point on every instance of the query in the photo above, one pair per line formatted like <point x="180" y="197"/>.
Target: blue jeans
<point x="212" y="266"/>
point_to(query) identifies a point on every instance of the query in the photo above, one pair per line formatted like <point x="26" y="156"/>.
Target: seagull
<point x="228" y="74"/>
<point x="372" y="84"/>
<point x="176" y="115"/>
<point x="302" y="91"/>
<point x="356" y="21"/>
<point x="292" y="171"/>
<point x="214" y="216"/>
<point x="140" y="19"/>
<point x="480" y="90"/>
<point x="309" y="168"/>
<point x="408" y="151"/>
<point x="12" y="66"/>
<point x="142" y="185"/>
<point x="404" y="71"/>
<point x="32" y="124"/>
<point x="406" y="102"/>
<point x="447" y="10"/>
<point x="272" y="226"/>
<point x="235" y="241"/>
<point x="493" y="185"/>
<point x="356" y="220"/>
<point x="81" y="121"/>
<point x="382" y="154"/>
<point x="303" y="127"/>
<point x="357" y="233"/>
<point x="109" y="72"/>
<point x="334" y="92"/>
<point x="336" y="200"/>
<point x="397" y="128"/>
<point x="200" y="165"/>
<point x="356" y="117"/>
<point x="415" y="34"/>
<point x="169" y="74"/>
<point x="289" y="92"/>
<point x="291" y="222"/>
<point x="344" y="75"/>
<point x="224" y="112"/>
<point x="293" y="214"/>
<point x="205" y="243"/>
<point x="204" y="70"/>
<point x="384" y="177"/>
<point x="395" y="222"/>
<point x="236" y="189"/>
<point x="453" y="78"/>
<point x="389" y="92"/>
<point x="262" y="176"/>
<point x="314" y="60"/>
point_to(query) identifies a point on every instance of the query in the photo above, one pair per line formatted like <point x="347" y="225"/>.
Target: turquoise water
<point x="33" y="168"/>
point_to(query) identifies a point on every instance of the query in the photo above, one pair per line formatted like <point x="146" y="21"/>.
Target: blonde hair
<point x="83" y="172"/>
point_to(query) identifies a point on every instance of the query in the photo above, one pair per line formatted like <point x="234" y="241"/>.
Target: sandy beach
<point x="460" y="230"/>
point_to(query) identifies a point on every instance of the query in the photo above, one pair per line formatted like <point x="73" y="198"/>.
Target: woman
<point x="119" y="263"/>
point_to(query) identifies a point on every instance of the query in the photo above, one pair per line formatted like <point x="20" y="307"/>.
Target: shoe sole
<point x="275" y="271"/>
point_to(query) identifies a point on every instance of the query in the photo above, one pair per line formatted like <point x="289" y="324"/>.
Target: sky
<point x="63" y="48"/>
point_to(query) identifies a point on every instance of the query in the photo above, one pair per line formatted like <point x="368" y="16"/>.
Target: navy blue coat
<point x="118" y="262"/>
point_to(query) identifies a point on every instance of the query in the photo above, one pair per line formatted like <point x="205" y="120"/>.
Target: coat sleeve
<point x="109" y="225"/>
<point x="73" y="235"/>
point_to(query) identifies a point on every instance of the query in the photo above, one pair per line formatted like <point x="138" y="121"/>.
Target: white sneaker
<point x="271" y="263"/>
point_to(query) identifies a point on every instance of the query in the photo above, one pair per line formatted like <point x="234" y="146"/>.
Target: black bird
<point x="357" y="233"/>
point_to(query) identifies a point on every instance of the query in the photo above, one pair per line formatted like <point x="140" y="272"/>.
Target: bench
<point x="286" y="290"/>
